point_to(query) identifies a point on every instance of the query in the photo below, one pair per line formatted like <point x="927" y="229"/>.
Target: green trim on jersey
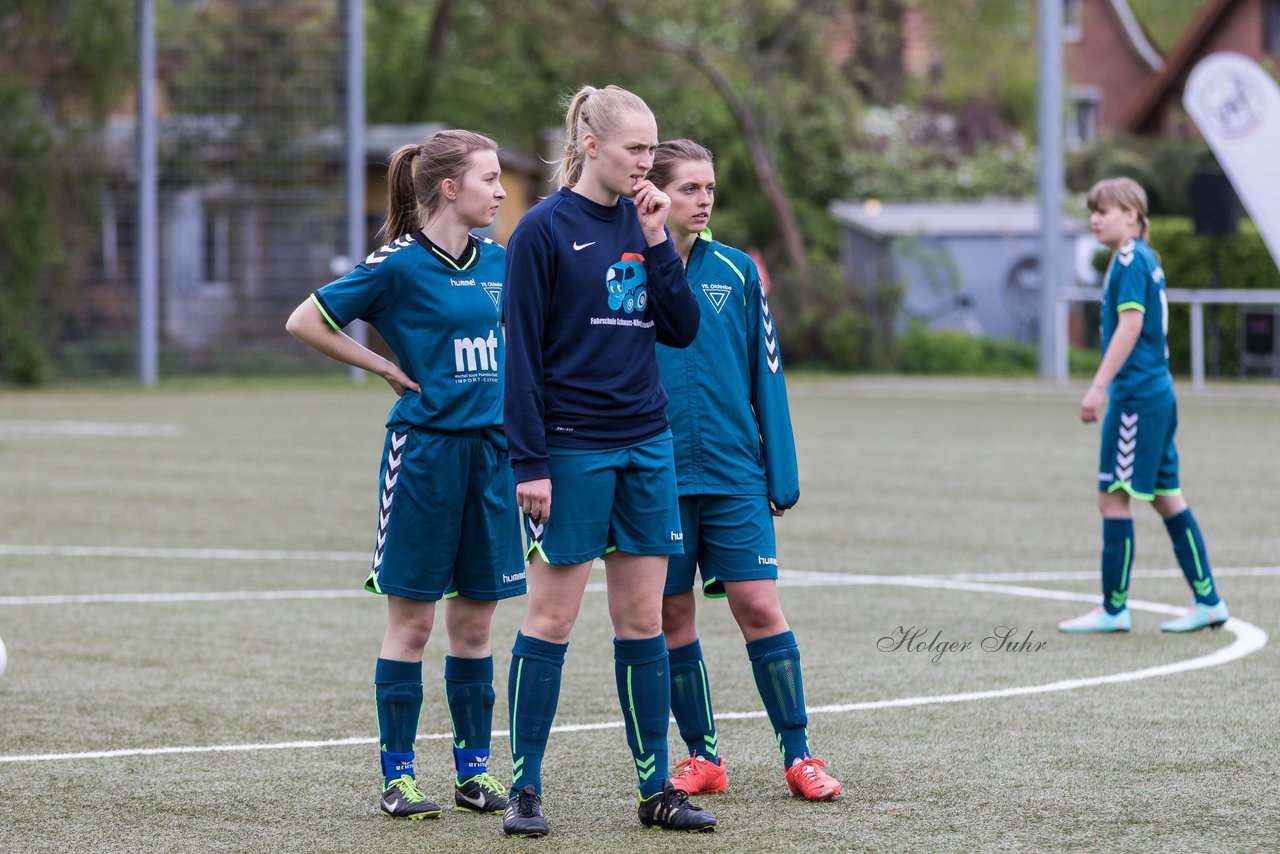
<point x="1131" y="306"/>
<point x="325" y="314"/>
<point x="743" y="278"/>
<point x="444" y="256"/>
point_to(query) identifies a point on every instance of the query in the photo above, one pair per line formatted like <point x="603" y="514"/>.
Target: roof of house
<point x="1164" y="21"/>
<point x="1177" y="63"/>
<point x="1136" y="35"/>
<point x="882" y="221"/>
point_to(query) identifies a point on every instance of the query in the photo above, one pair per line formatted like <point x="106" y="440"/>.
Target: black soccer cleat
<point x="403" y="799"/>
<point x="523" y="817"/>
<point x="670" y="810"/>
<point x="480" y="793"/>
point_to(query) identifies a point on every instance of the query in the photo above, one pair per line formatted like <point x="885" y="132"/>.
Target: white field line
<point x="181" y="554"/>
<point x="789" y="578"/>
<point x="52" y="429"/>
<point x="1248" y="639"/>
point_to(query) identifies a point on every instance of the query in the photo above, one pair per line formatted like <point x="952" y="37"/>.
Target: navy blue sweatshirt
<point x="585" y="301"/>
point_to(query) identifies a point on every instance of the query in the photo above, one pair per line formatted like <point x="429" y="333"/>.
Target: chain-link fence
<point x="250" y="137"/>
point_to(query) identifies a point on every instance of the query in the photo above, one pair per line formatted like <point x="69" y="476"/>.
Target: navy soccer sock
<point x="691" y="701"/>
<point x="398" y="694"/>
<point x="644" y="692"/>
<point x="1117" y="558"/>
<point x="468" y="688"/>
<point x="533" y="691"/>
<point x="775" y="662"/>
<point x="1189" y="548"/>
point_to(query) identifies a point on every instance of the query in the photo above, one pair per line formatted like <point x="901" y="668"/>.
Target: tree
<point x="62" y="65"/>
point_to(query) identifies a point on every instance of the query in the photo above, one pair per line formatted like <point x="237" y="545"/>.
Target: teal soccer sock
<point x="691" y="701"/>
<point x="1189" y="548"/>
<point x="775" y="662"/>
<point x="468" y="689"/>
<point x="1117" y="558"/>
<point x="398" y="694"/>
<point x="644" y="692"/>
<point x="533" y="691"/>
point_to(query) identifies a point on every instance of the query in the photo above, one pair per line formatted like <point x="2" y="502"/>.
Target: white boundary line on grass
<point x="789" y="578"/>
<point x="181" y="554"/>
<point x="1249" y="639"/>
<point x="41" y="429"/>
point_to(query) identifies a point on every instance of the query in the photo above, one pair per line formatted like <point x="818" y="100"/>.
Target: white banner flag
<point x="1236" y="105"/>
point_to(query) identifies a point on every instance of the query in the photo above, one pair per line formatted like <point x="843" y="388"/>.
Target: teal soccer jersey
<point x="441" y="318"/>
<point x="728" y="399"/>
<point x="1135" y="281"/>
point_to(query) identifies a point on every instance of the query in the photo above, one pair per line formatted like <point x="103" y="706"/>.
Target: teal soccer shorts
<point x="620" y="499"/>
<point x="447" y="518"/>
<point x="1138" y="454"/>
<point x="726" y="538"/>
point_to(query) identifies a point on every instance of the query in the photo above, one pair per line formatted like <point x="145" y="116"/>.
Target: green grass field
<point x="190" y="658"/>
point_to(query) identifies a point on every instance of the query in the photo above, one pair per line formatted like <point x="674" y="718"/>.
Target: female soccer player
<point x="732" y="480"/>
<point x="447" y="522"/>
<point x="592" y="283"/>
<point x="1138" y="458"/>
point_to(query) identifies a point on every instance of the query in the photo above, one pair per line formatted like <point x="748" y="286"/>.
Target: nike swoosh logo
<point x="578" y="247"/>
<point x="476" y="800"/>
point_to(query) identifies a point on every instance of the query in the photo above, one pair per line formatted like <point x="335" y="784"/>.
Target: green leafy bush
<point x="945" y="351"/>
<point x="1199" y="261"/>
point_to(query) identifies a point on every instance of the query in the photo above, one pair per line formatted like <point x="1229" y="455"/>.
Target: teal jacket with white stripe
<point x="728" y="399"/>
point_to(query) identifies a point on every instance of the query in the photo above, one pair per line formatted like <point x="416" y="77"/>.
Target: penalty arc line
<point x="1249" y="639"/>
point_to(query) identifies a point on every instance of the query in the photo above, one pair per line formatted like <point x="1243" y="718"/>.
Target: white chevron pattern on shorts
<point x="388" y="493"/>
<point x="1126" y="447"/>
<point x="770" y="338"/>
<point x="535" y="529"/>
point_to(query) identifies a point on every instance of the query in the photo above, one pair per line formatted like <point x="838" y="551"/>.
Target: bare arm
<point x="308" y="325"/>
<point x="1128" y="330"/>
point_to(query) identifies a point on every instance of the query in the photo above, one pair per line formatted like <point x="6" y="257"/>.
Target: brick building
<point x="1117" y="79"/>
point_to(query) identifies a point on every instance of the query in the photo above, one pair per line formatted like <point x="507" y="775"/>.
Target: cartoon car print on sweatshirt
<point x="626" y="283"/>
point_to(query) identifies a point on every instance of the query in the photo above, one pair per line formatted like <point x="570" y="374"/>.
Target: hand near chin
<point x="652" y="206"/>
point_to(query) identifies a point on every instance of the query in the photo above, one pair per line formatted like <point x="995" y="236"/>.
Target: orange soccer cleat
<point x="806" y="779"/>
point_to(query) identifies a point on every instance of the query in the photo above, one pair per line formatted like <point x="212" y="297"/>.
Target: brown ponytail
<point x="416" y="171"/>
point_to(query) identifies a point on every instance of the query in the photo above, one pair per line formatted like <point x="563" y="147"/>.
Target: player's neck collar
<point x="470" y="255"/>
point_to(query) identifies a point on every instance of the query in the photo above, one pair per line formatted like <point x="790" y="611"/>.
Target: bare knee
<point x="1169" y="506"/>
<point x="1113" y="505"/>
<point x="679" y="619"/>
<point x="551" y="621"/>
<point x="756" y="608"/>
<point x="468" y="623"/>
<point x="408" y="630"/>
<point x="637" y="623"/>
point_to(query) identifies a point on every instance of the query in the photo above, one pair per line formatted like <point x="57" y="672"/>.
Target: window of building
<point x="1072" y="20"/>
<point x="1083" y="108"/>
<point x="1271" y="35"/>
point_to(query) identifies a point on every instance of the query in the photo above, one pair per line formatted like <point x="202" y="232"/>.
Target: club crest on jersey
<point x="626" y="282"/>
<point x="717" y="295"/>
<point x="494" y="290"/>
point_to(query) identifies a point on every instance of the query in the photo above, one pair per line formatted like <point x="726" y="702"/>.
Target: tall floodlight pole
<point x="148" y="178"/>
<point x="1049" y="128"/>
<point x="355" y="153"/>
